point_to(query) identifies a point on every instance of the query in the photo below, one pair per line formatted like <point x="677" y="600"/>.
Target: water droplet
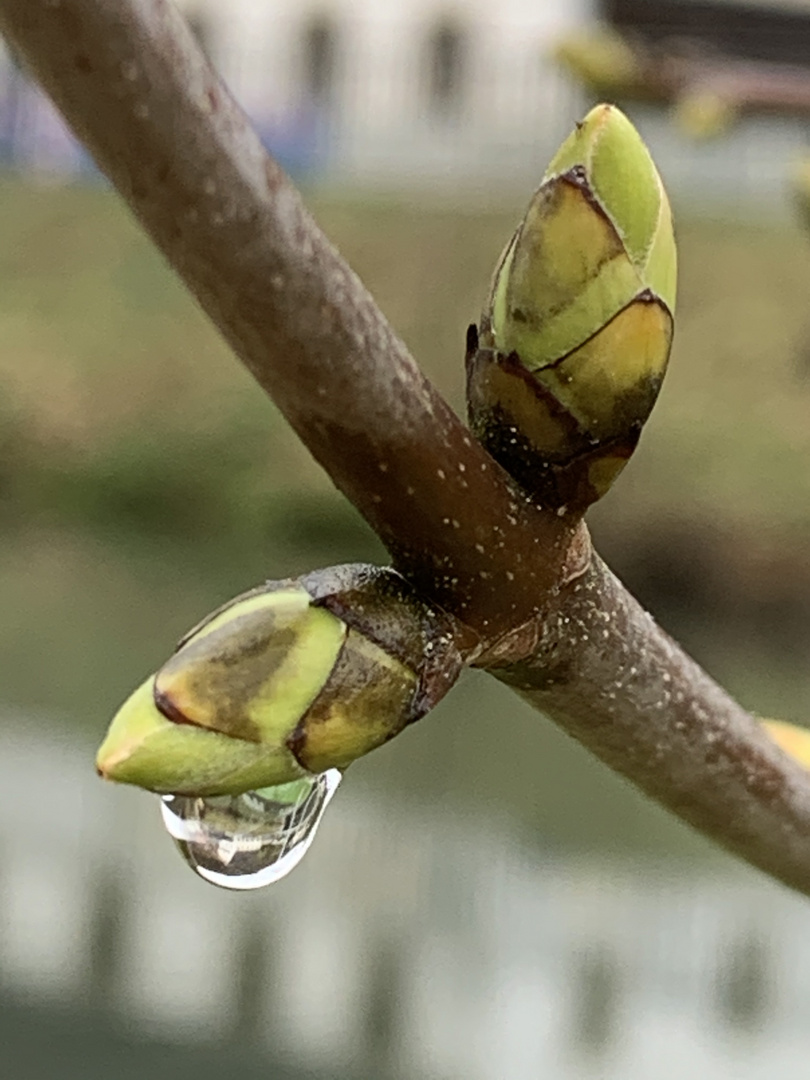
<point x="251" y="840"/>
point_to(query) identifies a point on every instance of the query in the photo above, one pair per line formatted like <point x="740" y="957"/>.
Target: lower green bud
<point x="292" y="678"/>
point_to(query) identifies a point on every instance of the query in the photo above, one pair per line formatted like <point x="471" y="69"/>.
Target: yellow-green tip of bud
<point x="219" y="714"/>
<point x="597" y="233"/>
<point x="582" y="301"/>
<point x="621" y="175"/>
<point x="146" y="749"/>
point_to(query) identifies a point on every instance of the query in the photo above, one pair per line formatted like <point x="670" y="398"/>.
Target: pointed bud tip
<point x="134" y="722"/>
<point x="145" y="748"/>
<point x="577" y="149"/>
<point x="621" y="175"/>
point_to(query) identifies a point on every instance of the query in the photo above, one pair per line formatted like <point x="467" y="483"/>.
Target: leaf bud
<point x="576" y="334"/>
<point x="292" y="678"/>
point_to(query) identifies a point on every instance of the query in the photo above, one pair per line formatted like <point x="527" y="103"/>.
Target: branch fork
<point x="514" y="578"/>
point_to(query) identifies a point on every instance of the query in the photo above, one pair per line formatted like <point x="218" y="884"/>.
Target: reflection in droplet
<point x="247" y="841"/>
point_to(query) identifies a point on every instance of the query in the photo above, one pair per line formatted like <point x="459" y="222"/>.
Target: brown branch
<point x="749" y="85"/>
<point x="752" y="87"/>
<point x="130" y="79"/>
<point x="604" y="670"/>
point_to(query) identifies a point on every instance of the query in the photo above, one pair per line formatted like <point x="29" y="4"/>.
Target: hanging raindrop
<point x="247" y="841"/>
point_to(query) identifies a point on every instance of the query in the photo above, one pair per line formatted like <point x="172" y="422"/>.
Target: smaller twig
<point x="672" y="71"/>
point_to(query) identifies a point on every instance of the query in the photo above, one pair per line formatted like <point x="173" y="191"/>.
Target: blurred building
<point x="398" y="91"/>
<point x="460" y="96"/>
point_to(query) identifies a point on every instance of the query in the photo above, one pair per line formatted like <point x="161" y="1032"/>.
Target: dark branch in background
<point x="679" y="70"/>
<point x="133" y="84"/>
<point x="747" y="85"/>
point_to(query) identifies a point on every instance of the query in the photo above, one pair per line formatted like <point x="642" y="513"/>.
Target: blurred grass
<point x="112" y="379"/>
<point x="144" y="479"/>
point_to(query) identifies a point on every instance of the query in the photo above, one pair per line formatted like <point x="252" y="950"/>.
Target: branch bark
<point x="530" y="603"/>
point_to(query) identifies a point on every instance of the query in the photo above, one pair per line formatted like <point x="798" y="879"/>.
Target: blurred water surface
<point x="407" y="944"/>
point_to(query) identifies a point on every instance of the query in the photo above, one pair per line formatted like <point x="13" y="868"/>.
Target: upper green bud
<point x="293" y="678"/>
<point x="582" y="300"/>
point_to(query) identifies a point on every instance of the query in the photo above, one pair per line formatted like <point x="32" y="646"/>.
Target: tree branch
<point x="134" y="85"/>
<point x="602" y="668"/>
<point x="132" y="82"/>
<point x="675" y="69"/>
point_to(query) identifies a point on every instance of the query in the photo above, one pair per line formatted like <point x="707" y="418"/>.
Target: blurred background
<point x="483" y="900"/>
